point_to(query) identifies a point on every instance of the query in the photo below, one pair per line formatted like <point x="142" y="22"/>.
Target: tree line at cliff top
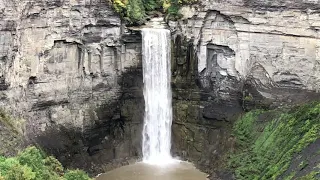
<point x="135" y="12"/>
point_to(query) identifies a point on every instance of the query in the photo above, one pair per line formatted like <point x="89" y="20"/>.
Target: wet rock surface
<point x="202" y="118"/>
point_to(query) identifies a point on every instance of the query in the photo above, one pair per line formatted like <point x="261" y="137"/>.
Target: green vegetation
<point x="16" y="125"/>
<point x="310" y="176"/>
<point x="11" y="133"/>
<point x="266" y="147"/>
<point x="33" y="164"/>
<point x="136" y="11"/>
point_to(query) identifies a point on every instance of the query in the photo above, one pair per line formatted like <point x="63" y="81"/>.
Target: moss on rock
<point x="11" y="133"/>
<point x="266" y="147"/>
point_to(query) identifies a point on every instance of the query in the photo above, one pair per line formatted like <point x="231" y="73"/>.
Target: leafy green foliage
<point x="135" y="11"/>
<point x="76" y="175"/>
<point x="11" y="169"/>
<point x="151" y="5"/>
<point x="33" y="164"/>
<point x="265" y="152"/>
<point x="120" y="6"/>
<point x="173" y="9"/>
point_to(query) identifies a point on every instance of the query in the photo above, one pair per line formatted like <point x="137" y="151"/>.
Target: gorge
<point x="71" y="81"/>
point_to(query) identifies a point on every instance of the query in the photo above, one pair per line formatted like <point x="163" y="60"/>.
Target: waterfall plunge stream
<point x="157" y="119"/>
<point x="156" y="50"/>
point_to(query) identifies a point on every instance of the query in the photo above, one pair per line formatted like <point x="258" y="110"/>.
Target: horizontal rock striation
<point x="246" y="54"/>
<point x="73" y="72"/>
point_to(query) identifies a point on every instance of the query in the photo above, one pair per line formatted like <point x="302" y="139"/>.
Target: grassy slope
<point x="270" y="141"/>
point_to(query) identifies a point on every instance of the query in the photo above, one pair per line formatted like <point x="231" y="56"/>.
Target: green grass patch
<point x="266" y="152"/>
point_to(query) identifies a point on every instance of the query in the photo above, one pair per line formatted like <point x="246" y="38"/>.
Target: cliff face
<point x="274" y="43"/>
<point x="236" y="55"/>
<point x="73" y="73"/>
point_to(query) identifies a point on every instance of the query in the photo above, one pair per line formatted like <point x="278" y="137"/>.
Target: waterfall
<point x="156" y="51"/>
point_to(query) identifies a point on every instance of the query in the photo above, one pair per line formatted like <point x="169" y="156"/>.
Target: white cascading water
<point x="156" y="51"/>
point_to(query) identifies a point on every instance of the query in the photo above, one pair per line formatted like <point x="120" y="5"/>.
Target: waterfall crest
<point x="156" y="51"/>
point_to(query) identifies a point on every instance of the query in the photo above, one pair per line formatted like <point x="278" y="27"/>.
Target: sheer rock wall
<point x="236" y="55"/>
<point x="73" y="72"/>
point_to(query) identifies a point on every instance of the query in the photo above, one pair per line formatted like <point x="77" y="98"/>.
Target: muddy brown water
<point x="142" y="171"/>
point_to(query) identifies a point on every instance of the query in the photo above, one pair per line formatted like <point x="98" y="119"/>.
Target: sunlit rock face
<point x="236" y="55"/>
<point x="71" y="70"/>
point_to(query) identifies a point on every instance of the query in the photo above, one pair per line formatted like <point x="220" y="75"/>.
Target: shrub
<point x="76" y="175"/>
<point x="33" y="164"/>
<point x="135" y="11"/>
<point x="11" y="169"/>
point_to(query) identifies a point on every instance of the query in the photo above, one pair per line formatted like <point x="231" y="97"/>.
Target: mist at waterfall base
<point x="156" y="144"/>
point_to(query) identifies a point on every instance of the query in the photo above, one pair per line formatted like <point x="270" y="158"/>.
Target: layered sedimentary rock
<point x="274" y="43"/>
<point x="240" y="55"/>
<point x="73" y="73"/>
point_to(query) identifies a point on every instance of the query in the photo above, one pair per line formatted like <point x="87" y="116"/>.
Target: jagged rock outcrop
<point x="73" y="72"/>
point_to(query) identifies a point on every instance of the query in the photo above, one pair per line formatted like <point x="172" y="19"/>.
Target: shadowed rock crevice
<point x="202" y="113"/>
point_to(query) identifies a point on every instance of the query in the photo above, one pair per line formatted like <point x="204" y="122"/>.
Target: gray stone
<point x="67" y="70"/>
<point x="246" y="54"/>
